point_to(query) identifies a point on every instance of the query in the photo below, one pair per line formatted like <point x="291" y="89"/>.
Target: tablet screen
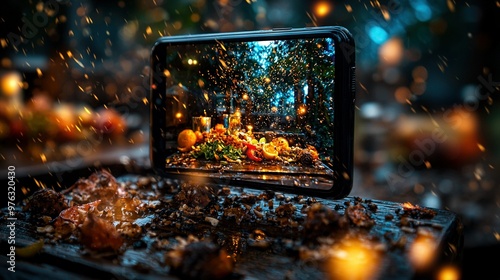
<point x="252" y="110"/>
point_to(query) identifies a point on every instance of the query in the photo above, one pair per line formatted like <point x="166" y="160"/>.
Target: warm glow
<point x="178" y="115"/>
<point x="448" y="273"/>
<point x="481" y="147"/>
<point x="422" y="252"/>
<point x="391" y="52"/>
<point x="420" y="74"/>
<point x="11" y="84"/>
<point x="408" y="205"/>
<point x="322" y="9"/>
<point x="466" y="123"/>
<point x="43" y="158"/>
<point x="302" y="110"/>
<point x="353" y="260"/>
<point x="402" y="94"/>
<point x="204" y="120"/>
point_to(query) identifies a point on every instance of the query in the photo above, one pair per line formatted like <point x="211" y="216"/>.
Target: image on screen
<point x="259" y="110"/>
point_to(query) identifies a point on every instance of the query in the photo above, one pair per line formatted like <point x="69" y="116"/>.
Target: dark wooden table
<point x="397" y="232"/>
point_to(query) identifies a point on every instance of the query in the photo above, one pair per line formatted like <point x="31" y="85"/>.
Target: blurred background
<point x="74" y="84"/>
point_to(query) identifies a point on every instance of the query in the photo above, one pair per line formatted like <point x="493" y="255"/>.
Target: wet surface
<point x="263" y="238"/>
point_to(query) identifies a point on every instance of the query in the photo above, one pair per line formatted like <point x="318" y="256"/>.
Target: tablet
<point x="269" y="109"/>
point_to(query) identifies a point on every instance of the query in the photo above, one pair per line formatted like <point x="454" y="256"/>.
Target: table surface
<point x="63" y="260"/>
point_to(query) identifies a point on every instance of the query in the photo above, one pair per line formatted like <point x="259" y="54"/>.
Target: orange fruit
<point x="269" y="151"/>
<point x="199" y="136"/>
<point x="186" y="139"/>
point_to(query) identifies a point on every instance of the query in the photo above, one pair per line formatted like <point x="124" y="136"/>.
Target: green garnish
<point x="217" y="150"/>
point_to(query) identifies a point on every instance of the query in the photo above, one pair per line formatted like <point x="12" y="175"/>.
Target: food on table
<point x="306" y="158"/>
<point x="110" y="122"/>
<point x="30" y="250"/>
<point x="43" y="130"/>
<point x="200" y="260"/>
<point x="199" y="136"/>
<point x="220" y="144"/>
<point x="269" y="151"/>
<point x="252" y="153"/>
<point x="99" y="234"/>
<point x="281" y="144"/>
<point x="46" y="202"/>
<point x="100" y="185"/>
<point x="197" y="230"/>
<point x="71" y="218"/>
<point x="186" y="139"/>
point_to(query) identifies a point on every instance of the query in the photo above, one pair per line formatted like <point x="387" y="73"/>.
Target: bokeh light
<point x="354" y="259"/>
<point x="323" y="8"/>
<point x="423" y="68"/>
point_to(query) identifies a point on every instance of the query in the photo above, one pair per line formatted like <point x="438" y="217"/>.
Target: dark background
<point x="427" y="113"/>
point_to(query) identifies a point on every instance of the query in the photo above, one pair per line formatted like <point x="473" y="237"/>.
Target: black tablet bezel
<point x="344" y="101"/>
